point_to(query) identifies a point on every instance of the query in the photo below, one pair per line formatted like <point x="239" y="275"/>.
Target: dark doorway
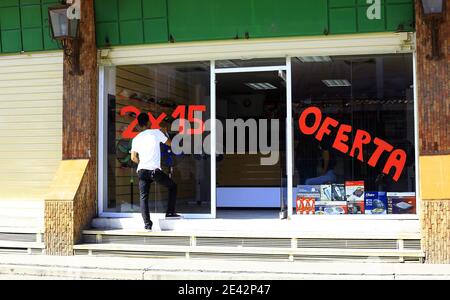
<point x="243" y="181"/>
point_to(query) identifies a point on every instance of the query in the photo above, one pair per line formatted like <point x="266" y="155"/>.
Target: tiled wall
<point x="24" y="26"/>
<point x="433" y="80"/>
<point x="125" y="22"/>
<point x="24" y="23"/>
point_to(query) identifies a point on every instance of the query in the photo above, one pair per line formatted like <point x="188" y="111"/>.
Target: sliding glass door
<point x="241" y="105"/>
<point x="251" y="174"/>
<point x="174" y="95"/>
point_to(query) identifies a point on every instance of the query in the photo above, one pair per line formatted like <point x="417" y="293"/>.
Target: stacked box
<point x="307" y="196"/>
<point x="331" y="208"/>
<point x="376" y="203"/>
<point x="401" y="203"/>
<point x="326" y="193"/>
<point x="354" y="193"/>
<point x="338" y="192"/>
<point x="332" y="200"/>
<point x="356" y="208"/>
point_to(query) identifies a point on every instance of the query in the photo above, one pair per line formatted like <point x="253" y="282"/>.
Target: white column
<point x="289" y="138"/>
<point x="213" y="139"/>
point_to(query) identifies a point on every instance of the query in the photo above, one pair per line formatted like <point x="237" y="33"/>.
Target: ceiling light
<point x="261" y="86"/>
<point x="337" y="83"/>
<point x="314" y="59"/>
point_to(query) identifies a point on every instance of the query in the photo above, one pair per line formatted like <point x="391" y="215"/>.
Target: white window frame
<point x="289" y="125"/>
<point x="367" y="44"/>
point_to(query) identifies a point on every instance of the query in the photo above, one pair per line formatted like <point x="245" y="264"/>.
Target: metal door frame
<point x="289" y="126"/>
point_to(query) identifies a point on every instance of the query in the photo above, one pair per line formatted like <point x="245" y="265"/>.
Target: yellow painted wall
<point x="435" y="177"/>
<point x="31" y="92"/>
<point x="67" y="180"/>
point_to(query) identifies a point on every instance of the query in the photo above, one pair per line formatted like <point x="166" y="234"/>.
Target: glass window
<point x="354" y="143"/>
<point x="251" y="173"/>
<point x="167" y="92"/>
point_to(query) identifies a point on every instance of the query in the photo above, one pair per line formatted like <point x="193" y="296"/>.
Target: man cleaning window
<point x="145" y="151"/>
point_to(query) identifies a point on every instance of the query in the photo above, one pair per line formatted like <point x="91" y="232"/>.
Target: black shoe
<point x="173" y="215"/>
<point x="149" y="226"/>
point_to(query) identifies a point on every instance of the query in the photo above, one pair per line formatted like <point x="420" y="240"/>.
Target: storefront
<point x="369" y="89"/>
<point x="330" y="111"/>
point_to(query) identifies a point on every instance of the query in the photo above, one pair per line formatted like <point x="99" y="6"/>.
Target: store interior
<point x="158" y="89"/>
<point x="370" y="93"/>
<point x="375" y="94"/>
<point x="243" y="182"/>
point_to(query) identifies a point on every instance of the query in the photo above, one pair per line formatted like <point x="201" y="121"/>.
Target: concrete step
<point x="252" y="245"/>
<point x="21" y="245"/>
<point x="22" y="212"/>
<point x="299" y="239"/>
<point x="22" y="204"/>
<point x="21" y="222"/>
<point x="299" y="225"/>
<point x="288" y="254"/>
<point x="257" y="234"/>
<point x="22" y="230"/>
<point x="14" y="247"/>
<point x="21" y="240"/>
<point x="94" y="267"/>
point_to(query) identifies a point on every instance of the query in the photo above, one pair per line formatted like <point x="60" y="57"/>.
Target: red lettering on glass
<point x="200" y="128"/>
<point x="156" y="123"/>
<point x="129" y="133"/>
<point x="342" y="138"/>
<point x="382" y="147"/>
<point x="397" y="158"/>
<point x="179" y="113"/>
<point x="325" y="128"/>
<point x="362" y="138"/>
<point x="317" y="120"/>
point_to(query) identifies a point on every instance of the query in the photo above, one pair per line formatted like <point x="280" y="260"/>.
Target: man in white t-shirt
<point x="145" y="151"/>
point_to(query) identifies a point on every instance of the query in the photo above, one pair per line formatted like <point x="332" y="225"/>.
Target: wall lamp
<point x="65" y="27"/>
<point x="433" y="16"/>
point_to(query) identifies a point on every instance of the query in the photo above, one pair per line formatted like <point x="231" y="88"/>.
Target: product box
<point x="356" y="208"/>
<point x="326" y="193"/>
<point x="376" y="203"/>
<point x="338" y="192"/>
<point x="401" y="203"/>
<point x="307" y="196"/>
<point x="331" y="208"/>
<point x="354" y="191"/>
<point x="305" y="206"/>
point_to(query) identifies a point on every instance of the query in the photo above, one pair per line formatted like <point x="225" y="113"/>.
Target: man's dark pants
<point x="146" y="177"/>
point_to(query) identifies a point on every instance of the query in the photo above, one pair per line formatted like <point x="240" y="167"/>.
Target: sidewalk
<point x="84" y="267"/>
